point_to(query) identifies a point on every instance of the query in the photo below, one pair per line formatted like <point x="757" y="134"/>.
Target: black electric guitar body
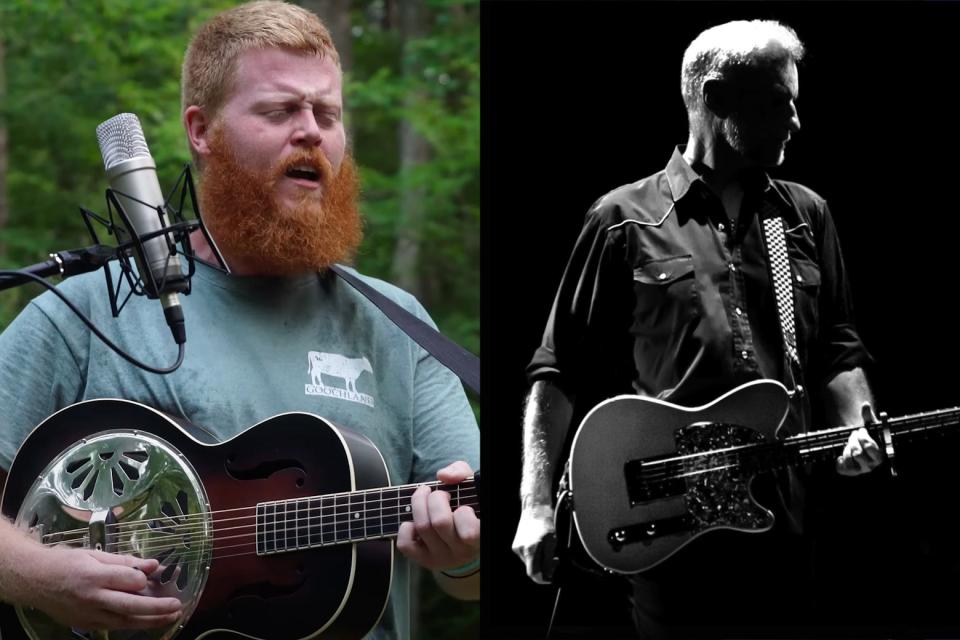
<point x="647" y="476"/>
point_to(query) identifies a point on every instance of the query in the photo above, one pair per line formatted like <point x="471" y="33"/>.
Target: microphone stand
<point x="76" y="261"/>
<point x="63" y="263"/>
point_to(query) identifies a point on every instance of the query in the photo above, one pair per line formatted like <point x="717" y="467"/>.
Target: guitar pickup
<point x="646" y="532"/>
<point x="644" y="486"/>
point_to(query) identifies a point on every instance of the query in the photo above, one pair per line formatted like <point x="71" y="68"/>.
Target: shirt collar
<point x="681" y="176"/>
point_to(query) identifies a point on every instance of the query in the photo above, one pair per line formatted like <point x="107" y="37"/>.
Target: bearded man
<point x="671" y="292"/>
<point x="262" y="108"/>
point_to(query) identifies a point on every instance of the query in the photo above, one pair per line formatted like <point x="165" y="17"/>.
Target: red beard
<point x="252" y="229"/>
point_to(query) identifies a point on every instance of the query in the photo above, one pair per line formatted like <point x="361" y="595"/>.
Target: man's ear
<point x="718" y="97"/>
<point x="198" y="128"/>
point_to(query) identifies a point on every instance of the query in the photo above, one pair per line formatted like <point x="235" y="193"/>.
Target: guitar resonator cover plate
<point x="126" y="492"/>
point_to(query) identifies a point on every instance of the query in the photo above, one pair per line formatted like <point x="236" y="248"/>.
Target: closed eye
<point x="279" y="114"/>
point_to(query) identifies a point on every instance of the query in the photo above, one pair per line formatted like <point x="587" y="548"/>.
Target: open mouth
<point x="304" y="173"/>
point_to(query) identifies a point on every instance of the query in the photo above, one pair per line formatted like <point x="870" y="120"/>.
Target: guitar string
<point x="215" y="545"/>
<point x="313" y="526"/>
<point x="314" y="516"/>
<point x="682" y="470"/>
<point x="295" y="535"/>
<point x="947" y="417"/>
<point x="466" y="485"/>
<point x="316" y="523"/>
<point x="214" y="548"/>
<point x="678" y="470"/>
<point x="677" y="467"/>
<point x="666" y="465"/>
<point x="199" y="521"/>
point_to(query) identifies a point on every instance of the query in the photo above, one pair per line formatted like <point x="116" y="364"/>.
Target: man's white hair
<point x="740" y="44"/>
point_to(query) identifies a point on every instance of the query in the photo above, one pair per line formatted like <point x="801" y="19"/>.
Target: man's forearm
<point x="19" y="555"/>
<point x="546" y="419"/>
<point x="846" y="394"/>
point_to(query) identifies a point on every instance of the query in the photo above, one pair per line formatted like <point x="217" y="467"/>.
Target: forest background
<point x="412" y="105"/>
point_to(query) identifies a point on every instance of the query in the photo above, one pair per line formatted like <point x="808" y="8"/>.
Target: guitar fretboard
<point x="827" y="444"/>
<point x="318" y="521"/>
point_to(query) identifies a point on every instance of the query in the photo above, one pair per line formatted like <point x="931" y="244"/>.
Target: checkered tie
<point x="781" y="277"/>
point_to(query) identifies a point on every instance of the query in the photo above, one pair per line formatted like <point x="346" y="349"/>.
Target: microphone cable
<point x="562" y="498"/>
<point x="120" y="352"/>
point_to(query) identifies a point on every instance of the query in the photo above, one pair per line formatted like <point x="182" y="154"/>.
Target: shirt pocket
<point x="806" y="293"/>
<point x="665" y="295"/>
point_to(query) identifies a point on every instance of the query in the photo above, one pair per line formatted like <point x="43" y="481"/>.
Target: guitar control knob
<point x="616" y="538"/>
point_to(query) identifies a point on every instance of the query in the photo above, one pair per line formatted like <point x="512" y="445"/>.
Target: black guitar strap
<point x="454" y="357"/>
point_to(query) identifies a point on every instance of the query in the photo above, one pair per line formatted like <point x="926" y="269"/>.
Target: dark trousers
<point x="728" y="584"/>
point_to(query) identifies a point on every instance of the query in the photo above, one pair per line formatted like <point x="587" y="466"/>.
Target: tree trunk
<point x="336" y="15"/>
<point x="414" y="151"/>
<point x="4" y="206"/>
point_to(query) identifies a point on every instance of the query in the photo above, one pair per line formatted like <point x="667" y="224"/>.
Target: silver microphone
<point x="133" y="177"/>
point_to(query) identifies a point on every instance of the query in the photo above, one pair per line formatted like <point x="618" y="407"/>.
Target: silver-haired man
<point x="669" y="293"/>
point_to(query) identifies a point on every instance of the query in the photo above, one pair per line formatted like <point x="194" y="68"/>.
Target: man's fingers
<point x="145" y="565"/>
<point x="861" y="454"/>
<point x="107" y="619"/>
<point x="547" y="561"/>
<point x="454" y="472"/>
<point x="421" y="520"/>
<point x="149" y="622"/>
<point x="441" y="518"/>
<point x="408" y="543"/>
<point x="866" y="448"/>
<point x="872" y="452"/>
<point x="531" y="543"/>
<point x="531" y="560"/>
<point x="130" y="604"/>
<point x="468" y="527"/>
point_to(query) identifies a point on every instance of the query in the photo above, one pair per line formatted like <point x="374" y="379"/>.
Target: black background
<point x="579" y="98"/>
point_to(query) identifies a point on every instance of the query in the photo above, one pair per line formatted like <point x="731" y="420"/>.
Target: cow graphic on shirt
<point x="326" y="366"/>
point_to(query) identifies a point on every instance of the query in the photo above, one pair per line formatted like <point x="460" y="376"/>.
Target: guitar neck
<point x="341" y="518"/>
<point x="827" y="444"/>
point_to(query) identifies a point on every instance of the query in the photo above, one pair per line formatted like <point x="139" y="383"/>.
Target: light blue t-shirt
<point x="256" y="347"/>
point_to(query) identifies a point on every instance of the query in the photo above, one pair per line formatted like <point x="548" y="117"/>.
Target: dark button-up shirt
<point x="665" y="296"/>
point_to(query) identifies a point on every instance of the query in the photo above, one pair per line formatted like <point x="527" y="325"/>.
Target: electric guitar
<point x="283" y="531"/>
<point x="647" y="476"/>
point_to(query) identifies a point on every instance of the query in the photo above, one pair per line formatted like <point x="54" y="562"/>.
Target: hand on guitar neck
<point x="849" y="402"/>
<point x="442" y="539"/>
<point x="861" y="454"/>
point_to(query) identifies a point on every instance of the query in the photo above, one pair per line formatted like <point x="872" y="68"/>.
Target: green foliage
<point x="72" y="64"/>
<point x="69" y="67"/>
<point x="432" y="83"/>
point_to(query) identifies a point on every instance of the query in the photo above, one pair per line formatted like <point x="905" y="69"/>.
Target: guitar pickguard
<point x="717" y="487"/>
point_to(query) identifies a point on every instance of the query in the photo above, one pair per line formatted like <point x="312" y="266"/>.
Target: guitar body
<point x="636" y="500"/>
<point x="166" y="473"/>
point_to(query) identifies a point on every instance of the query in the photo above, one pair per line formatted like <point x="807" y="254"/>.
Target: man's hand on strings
<point x="87" y="589"/>
<point x="861" y="454"/>
<point x="440" y="538"/>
